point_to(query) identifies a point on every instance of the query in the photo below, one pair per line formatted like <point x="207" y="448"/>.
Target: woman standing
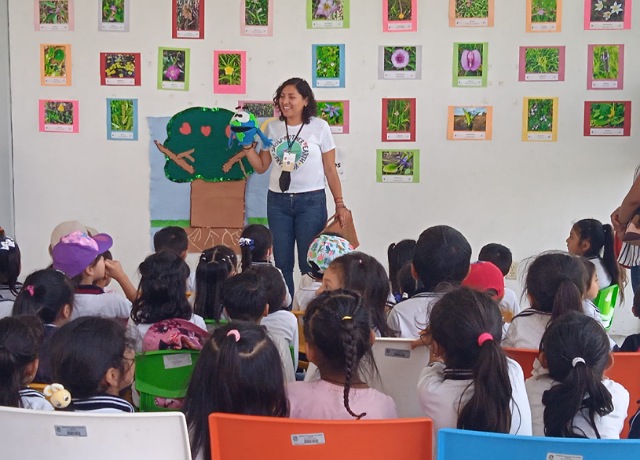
<point x="303" y="155"/>
<point x="620" y="218"/>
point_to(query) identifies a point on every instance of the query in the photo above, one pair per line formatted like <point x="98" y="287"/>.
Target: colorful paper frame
<point x="229" y="88"/>
<point x="336" y="113"/>
<point x="113" y="26"/>
<point x="175" y="85"/>
<point x="122" y="134"/>
<point x="406" y="165"/>
<point x="256" y="28"/>
<point x="525" y="72"/>
<point x="192" y="34"/>
<point x="50" y="79"/>
<point x="390" y="70"/>
<point x="470" y="81"/>
<point x="543" y="26"/>
<point x="605" y="83"/>
<point x="453" y="122"/>
<point x="314" y="22"/>
<point x="391" y="131"/>
<point x="618" y="129"/>
<point x="263" y="109"/>
<point x="55" y="26"/>
<point x="115" y="78"/>
<point x="401" y="23"/>
<point x="56" y="104"/>
<point x="535" y="134"/>
<point x="597" y="22"/>
<point x="323" y="81"/>
<point x="470" y="21"/>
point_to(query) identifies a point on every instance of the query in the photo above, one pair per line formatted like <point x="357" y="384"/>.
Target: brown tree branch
<point x="179" y="158"/>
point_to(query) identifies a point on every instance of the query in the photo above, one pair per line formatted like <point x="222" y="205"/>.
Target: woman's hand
<point x="343" y="215"/>
<point x="615" y="222"/>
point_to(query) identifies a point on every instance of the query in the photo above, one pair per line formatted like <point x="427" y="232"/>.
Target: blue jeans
<point x="295" y="218"/>
<point x="635" y="278"/>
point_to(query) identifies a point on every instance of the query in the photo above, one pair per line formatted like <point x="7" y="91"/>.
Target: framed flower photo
<point x="400" y="62"/>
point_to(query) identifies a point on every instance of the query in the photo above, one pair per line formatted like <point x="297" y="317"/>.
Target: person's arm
<point x="115" y="271"/>
<point x="333" y="179"/>
<point x="260" y="161"/>
<point x="630" y="204"/>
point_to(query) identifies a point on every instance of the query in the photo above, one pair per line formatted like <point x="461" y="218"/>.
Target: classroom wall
<point x="6" y="168"/>
<point x="522" y="194"/>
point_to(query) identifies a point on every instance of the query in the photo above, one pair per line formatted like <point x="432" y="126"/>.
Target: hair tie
<point x="246" y="242"/>
<point x="30" y="290"/>
<point x="235" y="333"/>
<point x="482" y="338"/>
<point x="203" y="257"/>
<point x="344" y="318"/>
<point x="575" y="361"/>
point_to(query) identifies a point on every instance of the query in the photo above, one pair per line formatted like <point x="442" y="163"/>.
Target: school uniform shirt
<point x="284" y="324"/>
<point x="306" y="292"/>
<point x="526" y="329"/>
<point x="137" y="332"/>
<point x="411" y="316"/>
<point x="287" y="298"/>
<point x="285" y="356"/>
<point x="604" y="280"/>
<point x="510" y="302"/>
<point x="6" y="299"/>
<point x="608" y="426"/>
<point x="101" y="403"/>
<point x="91" y="300"/>
<point x="322" y="400"/>
<point x="32" y="399"/>
<point x="442" y="399"/>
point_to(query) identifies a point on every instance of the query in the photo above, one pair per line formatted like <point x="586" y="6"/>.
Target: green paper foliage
<point x="207" y="131"/>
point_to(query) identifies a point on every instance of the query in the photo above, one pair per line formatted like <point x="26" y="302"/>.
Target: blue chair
<point x="463" y="445"/>
<point x="606" y="303"/>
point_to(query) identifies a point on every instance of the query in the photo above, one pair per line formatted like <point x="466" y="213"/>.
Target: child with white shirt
<point x="10" y="267"/>
<point x="501" y="257"/>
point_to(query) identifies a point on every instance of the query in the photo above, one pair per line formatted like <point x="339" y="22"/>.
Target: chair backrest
<point x="606" y="303"/>
<point x="523" y="356"/>
<point x="626" y="372"/>
<point x="302" y="343"/>
<point x="32" y="434"/>
<point x="400" y="369"/>
<point x="163" y="374"/>
<point x="270" y="438"/>
<point x="461" y="444"/>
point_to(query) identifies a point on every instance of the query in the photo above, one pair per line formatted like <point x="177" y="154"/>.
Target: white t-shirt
<point x="510" y="302"/>
<point x="604" y="280"/>
<point x="526" y="329"/>
<point x="284" y="324"/>
<point x="411" y="316"/>
<point x="105" y="305"/>
<point x="285" y="356"/>
<point x="138" y="331"/>
<point x="311" y="142"/>
<point x="306" y="292"/>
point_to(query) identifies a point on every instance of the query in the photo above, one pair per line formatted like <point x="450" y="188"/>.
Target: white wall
<point x="524" y="195"/>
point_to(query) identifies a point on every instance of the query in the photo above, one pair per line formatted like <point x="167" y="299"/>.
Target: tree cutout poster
<point x="607" y="14"/>
<point x="120" y="69"/>
<point x="605" y="67"/>
<point x="173" y="69"/>
<point x="53" y="15"/>
<point x="58" y="116"/>
<point x="328" y="14"/>
<point x="114" y="16"/>
<point x="122" y="119"/>
<point x="544" y="15"/>
<point x="229" y="72"/>
<point x="256" y="18"/>
<point x="540" y="119"/>
<point x="470" y="64"/>
<point x="470" y="123"/>
<point x="187" y="19"/>
<point x="398" y="166"/>
<point x="55" y="65"/>
<point x="399" y="120"/>
<point x="336" y="113"/>
<point x="541" y="63"/>
<point x="471" y="13"/>
<point x="328" y="66"/>
<point x="399" y="15"/>
<point x="607" y="118"/>
<point x="400" y="62"/>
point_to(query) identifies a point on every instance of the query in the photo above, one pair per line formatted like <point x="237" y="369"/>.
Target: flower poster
<point x="173" y="69"/>
<point x="328" y="14"/>
<point x="53" y="15"/>
<point x="328" y="66"/>
<point x="120" y="69"/>
<point x="540" y="119"/>
<point x="471" y="13"/>
<point x="229" y="72"/>
<point x="607" y="118"/>
<point x="400" y="62"/>
<point x="256" y="18"/>
<point x="399" y="120"/>
<point x="470" y="123"/>
<point x="55" y="65"/>
<point x="399" y="15"/>
<point x="336" y="113"/>
<point x="260" y="109"/>
<point x="544" y="15"/>
<point x="398" y="166"/>
<point x="541" y="63"/>
<point x="470" y="64"/>
<point x="122" y="119"/>
<point x="114" y="16"/>
<point x="187" y="19"/>
<point x="607" y="14"/>
<point x="605" y="67"/>
<point x="58" y="116"/>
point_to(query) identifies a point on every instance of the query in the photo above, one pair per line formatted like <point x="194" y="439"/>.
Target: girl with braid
<point x="339" y="336"/>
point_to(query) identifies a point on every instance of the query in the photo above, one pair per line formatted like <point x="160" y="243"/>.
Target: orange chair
<point x="525" y="357"/>
<point x="626" y="372"/>
<point x="269" y="438"/>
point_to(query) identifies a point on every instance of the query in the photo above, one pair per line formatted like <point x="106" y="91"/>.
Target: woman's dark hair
<point x="18" y="348"/>
<point x="235" y="374"/>
<point x="576" y="348"/>
<point x="44" y="294"/>
<point x="457" y="322"/>
<point x="555" y="282"/>
<point x="363" y="274"/>
<point x="399" y="255"/>
<point x="311" y="109"/>
<point x="274" y="285"/>
<point x="339" y="326"/>
<point x="9" y="262"/>
<point x="255" y="242"/>
<point x="407" y="284"/>
<point x="215" y="266"/>
<point x="162" y="289"/>
<point x="82" y="352"/>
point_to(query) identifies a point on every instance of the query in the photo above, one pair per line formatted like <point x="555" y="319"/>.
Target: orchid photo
<point x="470" y="59"/>
<point x="399" y="58"/>
<point x="328" y="10"/>
<point x="607" y="10"/>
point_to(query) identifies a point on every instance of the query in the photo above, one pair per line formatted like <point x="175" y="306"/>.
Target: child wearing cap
<point x="80" y="257"/>
<point x="501" y="257"/>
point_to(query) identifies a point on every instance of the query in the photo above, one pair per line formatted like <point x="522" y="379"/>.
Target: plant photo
<point x="120" y="65"/>
<point x="55" y="61"/>
<point x="327" y="61"/>
<point x="544" y="11"/>
<point x="327" y="10"/>
<point x="472" y="8"/>
<point x="605" y="62"/>
<point x="540" y="115"/>
<point x="173" y="65"/>
<point x="542" y="60"/>
<point x="58" y="113"/>
<point x="187" y="14"/>
<point x="399" y="115"/>
<point x="53" y="11"/>
<point x="122" y="114"/>
<point x="401" y="58"/>
<point x="331" y="112"/>
<point x="229" y="69"/>
<point x="399" y="10"/>
<point x="607" y="10"/>
<point x="470" y="59"/>
<point x="259" y="109"/>
<point x="470" y="119"/>
<point x="256" y="12"/>
<point x="113" y="11"/>
<point x="397" y="162"/>
<point x="607" y="115"/>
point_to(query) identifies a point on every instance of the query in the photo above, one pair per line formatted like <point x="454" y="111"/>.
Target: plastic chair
<point x="462" y="445"/>
<point x="302" y="343"/>
<point x="606" y="303"/>
<point x="269" y="438"/>
<point x="163" y="374"/>
<point x="523" y="356"/>
<point x="32" y="434"/>
<point x="626" y="371"/>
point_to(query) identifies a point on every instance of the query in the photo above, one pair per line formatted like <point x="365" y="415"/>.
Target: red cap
<point x="484" y="276"/>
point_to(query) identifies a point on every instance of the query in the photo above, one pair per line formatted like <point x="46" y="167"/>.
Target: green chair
<point x="163" y="374"/>
<point x="606" y="303"/>
<point x="212" y="324"/>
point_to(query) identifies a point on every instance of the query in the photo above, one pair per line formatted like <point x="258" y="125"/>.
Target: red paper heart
<point x="206" y="130"/>
<point x="185" y="129"/>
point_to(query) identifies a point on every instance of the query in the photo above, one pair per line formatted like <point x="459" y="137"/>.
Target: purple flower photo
<point x="470" y="60"/>
<point x="400" y="58"/>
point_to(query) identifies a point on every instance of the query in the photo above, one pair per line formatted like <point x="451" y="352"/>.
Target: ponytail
<point x="568" y="298"/>
<point x="255" y="242"/>
<point x="610" y="261"/>
<point x="44" y="294"/>
<point x="18" y="348"/>
<point x="351" y="360"/>
<point x="10" y="379"/>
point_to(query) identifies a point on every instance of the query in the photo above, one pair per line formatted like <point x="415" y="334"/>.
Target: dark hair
<point x="311" y="109"/>
<point x="339" y="326"/>
<point x="162" y="289"/>
<point x="407" y="284"/>
<point x="82" y="352"/>
<point x="442" y="255"/>
<point x="236" y="377"/>
<point x="555" y="283"/>
<point x="399" y="255"/>
<point x="244" y="297"/>
<point x="589" y="272"/>
<point x="363" y="274"/>
<point x="18" y="348"/>
<point x="255" y="250"/>
<point x="215" y="266"/>
<point x="173" y="239"/>
<point x="44" y="294"/>
<point x="274" y="285"/>
<point x="456" y="322"/>
<point x="572" y="336"/>
<point x="9" y="262"/>
<point x="498" y="255"/>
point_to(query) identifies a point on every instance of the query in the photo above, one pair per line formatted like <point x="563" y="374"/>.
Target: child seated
<point x="9" y="271"/>
<point x="175" y="239"/>
<point x="398" y="256"/>
<point x="216" y="264"/>
<point x="501" y="257"/>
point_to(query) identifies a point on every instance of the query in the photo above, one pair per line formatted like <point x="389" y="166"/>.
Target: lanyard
<point x="290" y="143"/>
